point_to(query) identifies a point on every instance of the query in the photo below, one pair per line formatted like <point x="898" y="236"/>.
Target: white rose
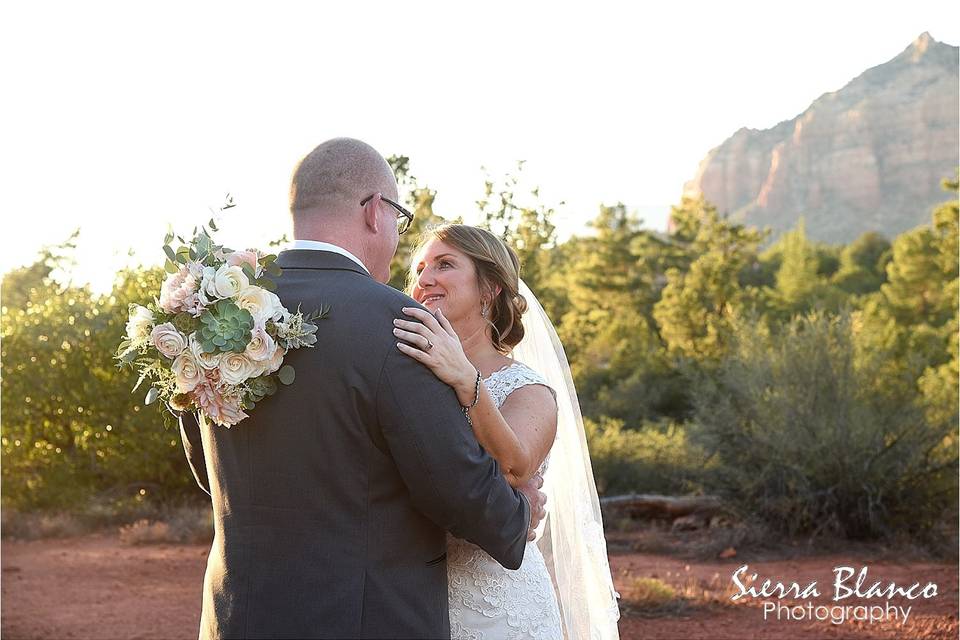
<point x="208" y="289"/>
<point x="279" y="311"/>
<point x="274" y="363"/>
<point x="139" y="324"/>
<point x="236" y="368"/>
<point x="229" y="281"/>
<point x="187" y="372"/>
<point x="206" y="360"/>
<point x="168" y="340"/>
<point x="263" y="305"/>
<point x="261" y="345"/>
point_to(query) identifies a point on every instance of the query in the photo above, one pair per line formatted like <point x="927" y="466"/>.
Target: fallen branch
<point x="645" y="505"/>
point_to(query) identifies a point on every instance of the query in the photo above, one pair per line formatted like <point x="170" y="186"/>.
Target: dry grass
<point x="655" y="596"/>
<point x="657" y="537"/>
<point x="30" y="526"/>
<point x="190" y="524"/>
<point x="145" y="532"/>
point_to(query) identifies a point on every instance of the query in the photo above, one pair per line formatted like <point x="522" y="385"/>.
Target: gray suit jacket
<point x="331" y="502"/>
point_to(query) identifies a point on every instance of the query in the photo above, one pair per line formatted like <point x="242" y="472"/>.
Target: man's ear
<point x="370" y="214"/>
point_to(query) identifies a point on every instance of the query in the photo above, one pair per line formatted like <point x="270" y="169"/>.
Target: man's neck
<point x="341" y="240"/>
<point x="342" y="248"/>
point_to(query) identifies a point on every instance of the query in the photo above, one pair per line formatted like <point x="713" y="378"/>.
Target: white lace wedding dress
<point x="488" y="602"/>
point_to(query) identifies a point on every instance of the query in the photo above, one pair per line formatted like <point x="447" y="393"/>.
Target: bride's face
<point x="446" y="279"/>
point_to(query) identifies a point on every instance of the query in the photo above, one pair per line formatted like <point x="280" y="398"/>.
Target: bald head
<point x="337" y="175"/>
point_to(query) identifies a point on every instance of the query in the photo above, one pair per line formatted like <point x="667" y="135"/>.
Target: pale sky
<point x="123" y="117"/>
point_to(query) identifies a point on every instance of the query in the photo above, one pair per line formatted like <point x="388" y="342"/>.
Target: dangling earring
<point x="483" y="310"/>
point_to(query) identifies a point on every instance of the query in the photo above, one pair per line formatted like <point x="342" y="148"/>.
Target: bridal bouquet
<point x="214" y="340"/>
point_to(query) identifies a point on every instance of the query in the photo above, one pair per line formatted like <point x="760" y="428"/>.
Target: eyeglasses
<point x="404" y="217"/>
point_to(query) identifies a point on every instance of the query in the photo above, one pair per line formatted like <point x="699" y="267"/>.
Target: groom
<point x="332" y="501"/>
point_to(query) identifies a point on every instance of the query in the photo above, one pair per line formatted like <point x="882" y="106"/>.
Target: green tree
<point x="71" y="427"/>
<point x="863" y="264"/>
<point x="797" y="280"/>
<point x="612" y="280"/>
<point x="419" y="200"/>
<point x="914" y="316"/>
<point x="699" y="303"/>
<point x="527" y="226"/>
<point x="23" y="284"/>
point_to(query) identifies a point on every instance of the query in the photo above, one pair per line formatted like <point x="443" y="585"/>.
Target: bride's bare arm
<point x="519" y="434"/>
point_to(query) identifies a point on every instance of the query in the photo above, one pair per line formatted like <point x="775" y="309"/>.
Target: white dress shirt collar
<point x="316" y="245"/>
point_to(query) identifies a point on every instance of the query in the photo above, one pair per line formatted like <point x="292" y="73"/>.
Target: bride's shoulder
<point x="515" y="375"/>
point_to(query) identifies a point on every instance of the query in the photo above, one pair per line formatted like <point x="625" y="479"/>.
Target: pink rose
<point x="187" y="372"/>
<point x="273" y="363"/>
<point x="261" y="345"/>
<point x="168" y="340"/>
<point x="237" y="368"/>
<point x="250" y="257"/>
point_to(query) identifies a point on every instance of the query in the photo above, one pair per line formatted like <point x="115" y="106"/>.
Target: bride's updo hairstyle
<point x="496" y="265"/>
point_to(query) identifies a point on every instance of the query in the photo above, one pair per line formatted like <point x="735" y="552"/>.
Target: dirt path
<point x="928" y="618"/>
<point x="96" y="587"/>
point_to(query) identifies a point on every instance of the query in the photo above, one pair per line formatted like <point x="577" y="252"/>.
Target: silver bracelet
<point x="476" y="398"/>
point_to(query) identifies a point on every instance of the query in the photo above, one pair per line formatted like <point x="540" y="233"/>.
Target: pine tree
<point x="797" y="277"/>
<point x="697" y="304"/>
<point x="419" y="200"/>
<point x="862" y="269"/>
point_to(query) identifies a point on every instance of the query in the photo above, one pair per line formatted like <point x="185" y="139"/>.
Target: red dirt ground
<point x="96" y="587"/>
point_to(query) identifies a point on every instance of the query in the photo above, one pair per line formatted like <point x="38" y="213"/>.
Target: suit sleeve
<point x="193" y="448"/>
<point x="451" y="479"/>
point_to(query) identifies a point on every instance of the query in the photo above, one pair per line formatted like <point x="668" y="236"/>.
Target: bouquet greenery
<point x="214" y="340"/>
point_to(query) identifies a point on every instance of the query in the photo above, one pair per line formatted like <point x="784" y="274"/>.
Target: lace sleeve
<point x="515" y="376"/>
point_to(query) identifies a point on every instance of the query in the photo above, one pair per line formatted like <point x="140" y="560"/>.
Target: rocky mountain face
<point x="869" y="157"/>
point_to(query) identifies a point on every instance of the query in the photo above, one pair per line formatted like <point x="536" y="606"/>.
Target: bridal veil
<point x="571" y="536"/>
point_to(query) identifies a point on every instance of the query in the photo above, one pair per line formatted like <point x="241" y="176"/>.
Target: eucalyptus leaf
<point x="152" y="396"/>
<point x="267" y="284"/>
<point x="169" y="267"/>
<point x="286" y="374"/>
<point x="170" y="254"/>
<point x="213" y="225"/>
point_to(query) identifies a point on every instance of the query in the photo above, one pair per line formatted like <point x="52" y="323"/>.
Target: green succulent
<point x="185" y="323"/>
<point x="225" y="327"/>
<point x="260" y="387"/>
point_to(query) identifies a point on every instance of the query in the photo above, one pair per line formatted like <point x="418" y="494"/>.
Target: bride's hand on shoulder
<point x="431" y="340"/>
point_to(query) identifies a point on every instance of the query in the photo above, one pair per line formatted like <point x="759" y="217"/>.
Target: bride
<point x="524" y="412"/>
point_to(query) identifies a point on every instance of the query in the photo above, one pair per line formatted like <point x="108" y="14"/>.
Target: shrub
<point x="654" y="459"/>
<point x="71" y="428"/>
<point x="803" y="438"/>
